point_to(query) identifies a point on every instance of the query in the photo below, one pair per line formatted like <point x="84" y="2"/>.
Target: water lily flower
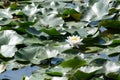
<point x="74" y="41"/>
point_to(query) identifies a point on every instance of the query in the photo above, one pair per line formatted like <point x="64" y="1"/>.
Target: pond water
<point x="18" y="74"/>
<point x="27" y="71"/>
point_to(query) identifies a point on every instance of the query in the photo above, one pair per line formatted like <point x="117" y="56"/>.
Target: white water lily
<point x="111" y="67"/>
<point x="74" y="41"/>
<point x="89" y="69"/>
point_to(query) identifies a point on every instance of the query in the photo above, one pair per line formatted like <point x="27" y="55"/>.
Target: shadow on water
<point x="18" y="74"/>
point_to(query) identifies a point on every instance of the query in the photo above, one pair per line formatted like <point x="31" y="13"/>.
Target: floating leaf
<point x="39" y="75"/>
<point x="112" y="51"/>
<point x="73" y="63"/>
<point x="5" y="13"/>
<point x="30" y="10"/>
<point x="96" y="12"/>
<point x="9" y="39"/>
<point x="67" y="13"/>
<point x="35" y="54"/>
<point x="110" y="24"/>
<point x="51" y="31"/>
<point x="54" y="73"/>
<point x="111" y="67"/>
<point x="79" y="75"/>
<point x="51" y="20"/>
<point x="71" y="51"/>
<point x="27" y="53"/>
<point x="92" y="49"/>
<point x="8" y="50"/>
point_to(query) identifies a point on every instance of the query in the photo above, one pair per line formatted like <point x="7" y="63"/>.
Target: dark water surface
<point x="18" y="74"/>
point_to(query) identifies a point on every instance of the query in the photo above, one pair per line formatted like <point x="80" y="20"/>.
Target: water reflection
<point x="114" y="59"/>
<point x="18" y="74"/>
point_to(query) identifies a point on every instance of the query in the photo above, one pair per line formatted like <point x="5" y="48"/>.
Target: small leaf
<point x="112" y="51"/>
<point x="30" y="10"/>
<point x="71" y="51"/>
<point x="39" y="75"/>
<point x="111" y="67"/>
<point x="51" y="20"/>
<point x="5" y="13"/>
<point x="73" y="63"/>
<point x="71" y="13"/>
<point x="54" y="73"/>
<point x="79" y="75"/>
<point x="8" y="50"/>
<point x="10" y="37"/>
<point x="110" y="24"/>
<point x="51" y="31"/>
<point x="113" y="42"/>
<point x="26" y="54"/>
<point x="92" y="49"/>
<point x="58" y="71"/>
<point x="8" y="40"/>
<point x="97" y="10"/>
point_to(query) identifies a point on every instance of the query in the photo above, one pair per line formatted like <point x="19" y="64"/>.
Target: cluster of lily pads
<point x="67" y="39"/>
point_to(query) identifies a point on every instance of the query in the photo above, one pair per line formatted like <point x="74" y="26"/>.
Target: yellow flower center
<point x="75" y="39"/>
